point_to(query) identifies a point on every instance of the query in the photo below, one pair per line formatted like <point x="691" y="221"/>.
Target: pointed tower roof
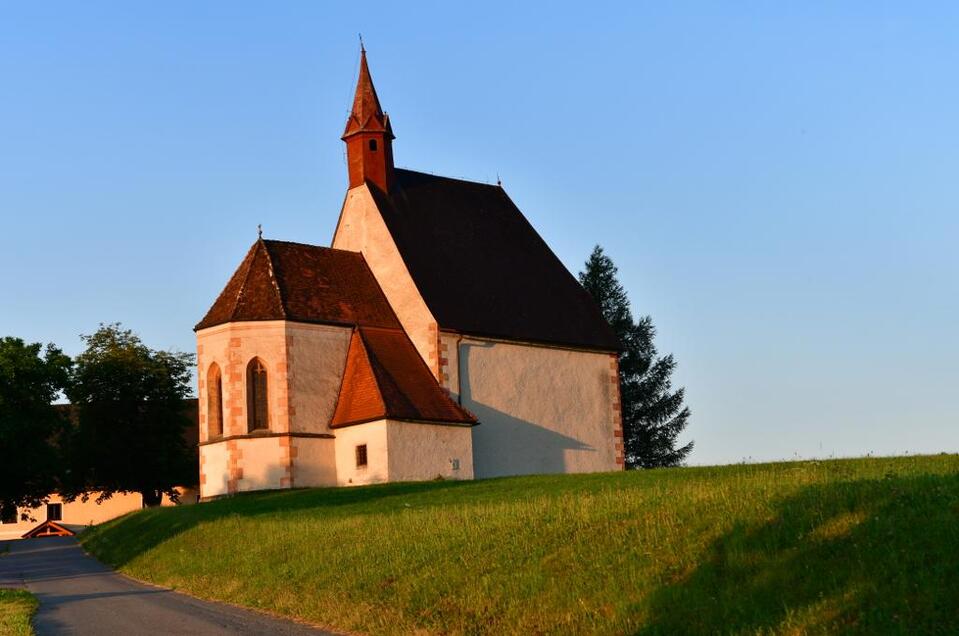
<point x="367" y="115"/>
<point x="279" y="280"/>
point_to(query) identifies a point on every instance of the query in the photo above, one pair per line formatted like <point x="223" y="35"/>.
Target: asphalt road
<point x="80" y="596"/>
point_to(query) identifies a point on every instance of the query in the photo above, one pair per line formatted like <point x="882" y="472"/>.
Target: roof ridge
<point x="246" y="277"/>
<point x="440" y="176"/>
<point x="326" y="248"/>
<point x="274" y="280"/>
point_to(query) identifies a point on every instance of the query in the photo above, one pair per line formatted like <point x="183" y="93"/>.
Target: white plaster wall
<point x="362" y="229"/>
<point x="214" y="471"/>
<point x="374" y="435"/>
<point x="541" y="409"/>
<point x="420" y="452"/>
<point x="263" y="462"/>
<point x="314" y="463"/>
<point x="316" y="356"/>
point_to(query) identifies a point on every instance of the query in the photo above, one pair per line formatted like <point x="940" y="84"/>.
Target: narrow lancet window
<point x="214" y="402"/>
<point x="256" y="396"/>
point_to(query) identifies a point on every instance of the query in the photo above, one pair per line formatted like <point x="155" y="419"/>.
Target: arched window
<point x="214" y="402"/>
<point x="256" y="396"/>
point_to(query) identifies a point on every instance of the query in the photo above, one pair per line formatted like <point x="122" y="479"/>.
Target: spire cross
<point x="362" y="50"/>
<point x="259" y="230"/>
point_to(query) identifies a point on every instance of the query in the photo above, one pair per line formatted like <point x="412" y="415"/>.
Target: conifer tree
<point x="653" y="414"/>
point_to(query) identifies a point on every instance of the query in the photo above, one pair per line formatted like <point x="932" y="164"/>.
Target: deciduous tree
<point x="130" y="419"/>
<point x="31" y="378"/>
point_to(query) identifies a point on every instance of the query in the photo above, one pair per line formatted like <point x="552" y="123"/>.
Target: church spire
<point x="368" y="135"/>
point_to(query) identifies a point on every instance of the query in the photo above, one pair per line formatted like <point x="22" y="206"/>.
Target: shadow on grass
<point x="869" y="556"/>
<point x="145" y="529"/>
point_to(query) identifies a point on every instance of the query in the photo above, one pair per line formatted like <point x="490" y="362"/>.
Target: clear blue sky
<point x="778" y="182"/>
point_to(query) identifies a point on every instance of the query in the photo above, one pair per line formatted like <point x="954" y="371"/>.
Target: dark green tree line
<point x="122" y="432"/>
<point x="31" y="428"/>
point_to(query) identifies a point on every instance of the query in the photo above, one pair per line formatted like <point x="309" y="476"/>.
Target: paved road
<point x="79" y="596"/>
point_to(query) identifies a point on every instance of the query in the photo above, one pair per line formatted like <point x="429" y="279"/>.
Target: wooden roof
<point x="48" y="529"/>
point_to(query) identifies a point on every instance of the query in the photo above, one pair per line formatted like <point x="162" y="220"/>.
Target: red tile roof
<point x="385" y="377"/>
<point x="279" y="280"/>
<point x="482" y="268"/>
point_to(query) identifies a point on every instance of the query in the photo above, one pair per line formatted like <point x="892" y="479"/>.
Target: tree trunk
<point x="151" y="498"/>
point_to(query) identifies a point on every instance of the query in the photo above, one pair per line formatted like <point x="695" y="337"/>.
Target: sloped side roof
<point x="279" y="280"/>
<point x="386" y="378"/>
<point x="481" y="267"/>
<point x="359" y="399"/>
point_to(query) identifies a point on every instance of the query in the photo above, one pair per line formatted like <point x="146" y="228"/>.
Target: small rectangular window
<point x="361" y="455"/>
<point x="8" y="514"/>
<point x="54" y="512"/>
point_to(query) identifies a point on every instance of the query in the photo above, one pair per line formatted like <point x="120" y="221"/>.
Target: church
<point x="439" y="337"/>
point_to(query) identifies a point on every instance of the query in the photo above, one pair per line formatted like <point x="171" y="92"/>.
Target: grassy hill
<point x="16" y="608"/>
<point x="859" y="546"/>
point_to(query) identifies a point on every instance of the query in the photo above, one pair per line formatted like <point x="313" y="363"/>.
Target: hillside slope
<point x="856" y="546"/>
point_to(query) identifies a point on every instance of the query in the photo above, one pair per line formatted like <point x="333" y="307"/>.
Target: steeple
<point x="368" y="135"/>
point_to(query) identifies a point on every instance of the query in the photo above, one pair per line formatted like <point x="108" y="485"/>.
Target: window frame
<point x="362" y="455"/>
<point x="55" y="506"/>
<point x="257" y="406"/>
<point x="214" y="407"/>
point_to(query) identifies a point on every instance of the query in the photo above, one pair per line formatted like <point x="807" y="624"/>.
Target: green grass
<point x="853" y="546"/>
<point x="16" y="609"/>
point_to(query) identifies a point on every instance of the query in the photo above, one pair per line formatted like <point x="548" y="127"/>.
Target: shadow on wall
<point x="870" y="556"/>
<point x="532" y="449"/>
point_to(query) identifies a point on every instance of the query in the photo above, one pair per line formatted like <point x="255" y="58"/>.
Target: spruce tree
<point x="653" y="414"/>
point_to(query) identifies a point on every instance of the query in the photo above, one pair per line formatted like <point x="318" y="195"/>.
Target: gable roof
<point x="48" y="528"/>
<point x="481" y="267"/>
<point x="279" y="280"/>
<point x="385" y="377"/>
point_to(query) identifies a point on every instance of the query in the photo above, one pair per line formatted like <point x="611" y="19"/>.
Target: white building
<point x="439" y="336"/>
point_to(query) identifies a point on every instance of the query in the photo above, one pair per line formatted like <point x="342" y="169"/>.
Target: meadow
<point x="16" y="609"/>
<point x="842" y="546"/>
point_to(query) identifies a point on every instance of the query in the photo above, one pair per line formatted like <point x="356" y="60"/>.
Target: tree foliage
<point x="31" y="378"/>
<point x="653" y="414"/>
<point x="129" y="418"/>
